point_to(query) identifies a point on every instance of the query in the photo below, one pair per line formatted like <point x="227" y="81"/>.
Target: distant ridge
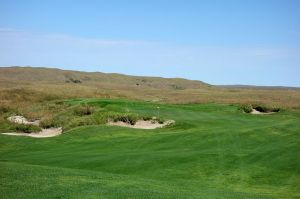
<point x="41" y="84"/>
<point x="259" y="87"/>
<point x="54" y="75"/>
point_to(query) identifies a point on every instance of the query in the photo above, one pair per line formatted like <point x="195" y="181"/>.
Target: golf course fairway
<point x="212" y="151"/>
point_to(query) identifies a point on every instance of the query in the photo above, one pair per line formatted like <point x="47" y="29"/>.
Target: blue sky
<point x="216" y="41"/>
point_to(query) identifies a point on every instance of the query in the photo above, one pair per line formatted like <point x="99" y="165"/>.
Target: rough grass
<point x="49" y="123"/>
<point x="69" y="115"/>
<point x="25" y="128"/>
<point x="127" y="118"/>
<point x="212" y="151"/>
<point x="21" y="85"/>
<point x="82" y="110"/>
<point x="266" y="109"/>
<point x="247" y="108"/>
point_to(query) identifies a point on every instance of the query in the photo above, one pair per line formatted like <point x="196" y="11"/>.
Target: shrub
<point x="155" y="119"/>
<point x="266" y="109"/>
<point x="261" y="108"/>
<point x="48" y="123"/>
<point x="5" y="107"/>
<point x="80" y="122"/>
<point x="59" y="102"/>
<point x="247" y="108"/>
<point x="76" y="81"/>
<point x="128" y="118"/>
<point x="84" y="110"/>
<point x="100" y="117"/>
<point x="160" y="121"/>
<point x="147" y="118"/>
<point x="27" y="128"/>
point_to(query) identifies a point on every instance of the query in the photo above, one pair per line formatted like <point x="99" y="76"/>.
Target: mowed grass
<point x="213" y="151"/>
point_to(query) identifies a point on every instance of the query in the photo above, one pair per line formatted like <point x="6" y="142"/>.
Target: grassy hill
<point x="212" y="151"/>
<point x="21" y="84"/>
<point x="57" y="76"/>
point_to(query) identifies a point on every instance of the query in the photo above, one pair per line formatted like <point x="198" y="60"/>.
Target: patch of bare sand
<point x="256" y="112"/>
<point x="141" y="124"/>
<point x="22" y="120"/>
<point x="45" y="133"/>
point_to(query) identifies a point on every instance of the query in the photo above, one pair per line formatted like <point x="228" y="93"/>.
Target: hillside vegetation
<point x="21" y="84"/>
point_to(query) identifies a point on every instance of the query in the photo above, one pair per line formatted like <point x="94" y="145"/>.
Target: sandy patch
<point x="141" y="124"/>
<point x="256" y="112"/>
<point x="45" y="133"/>
<point x="22" y="120"/>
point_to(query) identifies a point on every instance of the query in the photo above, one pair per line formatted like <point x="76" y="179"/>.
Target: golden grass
<point x="21" y="86"/>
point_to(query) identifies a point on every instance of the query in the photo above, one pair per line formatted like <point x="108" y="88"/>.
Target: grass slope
<point x="213" y="151"/>
<point x="23" y="84"/>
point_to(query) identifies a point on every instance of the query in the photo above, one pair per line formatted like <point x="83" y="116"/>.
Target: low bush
<point x="81" y="121"/>
<point x="160" y="121"/>
<point x="26" y="128"/>
<point x="59" y="102"/>
<point x="128" y="118"/>
<point x="154" y="120"/>
<point x="48" y="123"/>
<point x="266" y="109"/>
<point x="247" y="108"/>
<point x="147" y="118"/>
<point x="6" y="107"/>
<point x="84" y="110"/>
<point x="102" y="117"/>
<point x="76" y="81"/>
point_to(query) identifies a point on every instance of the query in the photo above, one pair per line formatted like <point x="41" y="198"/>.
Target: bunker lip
<point x="142" y="124"/>
<point x="45" y="133"/>
<point x="256" y="112"/>
<point x="22" y="120"/>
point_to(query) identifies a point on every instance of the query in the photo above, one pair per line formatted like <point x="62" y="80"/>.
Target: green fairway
<point x="213" y="151"/>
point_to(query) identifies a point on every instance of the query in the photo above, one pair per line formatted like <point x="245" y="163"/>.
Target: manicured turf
<point x="213" y="151"/>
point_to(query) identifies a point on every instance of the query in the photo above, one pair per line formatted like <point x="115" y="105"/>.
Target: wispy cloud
<point x="54" y="37"/>
<point x="7" y="30"/>
<point x="89" y="41"/>
<point x="215" y="64"/>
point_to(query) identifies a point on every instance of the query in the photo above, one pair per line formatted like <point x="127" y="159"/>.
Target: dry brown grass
<point x="22" y="86"/>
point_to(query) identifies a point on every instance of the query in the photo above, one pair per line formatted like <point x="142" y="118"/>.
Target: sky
<point x="253" y="42"/>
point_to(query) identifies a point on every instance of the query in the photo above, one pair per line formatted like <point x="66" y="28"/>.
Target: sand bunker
<point x="44" y="133"/>
<point x="22" y="120"/>
<point x="256" y="112"/>
<point x="141" y="124"/>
